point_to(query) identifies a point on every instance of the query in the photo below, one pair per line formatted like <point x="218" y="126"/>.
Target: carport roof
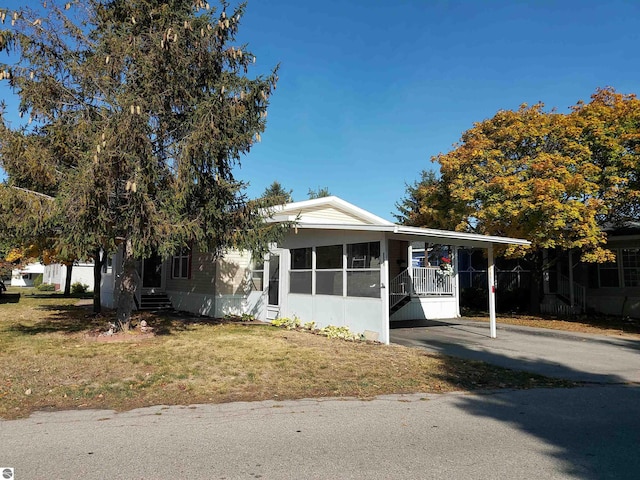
<point x="399" y="232"/>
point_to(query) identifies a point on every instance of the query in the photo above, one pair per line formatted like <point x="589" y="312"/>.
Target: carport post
<point x="492" y="291"/>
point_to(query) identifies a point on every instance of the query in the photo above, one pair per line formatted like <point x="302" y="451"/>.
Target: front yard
<point x="51" y="358"/>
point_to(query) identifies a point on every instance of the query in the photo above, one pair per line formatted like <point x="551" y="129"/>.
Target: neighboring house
<point x="608" y="288"/>
<point x="339" y="265"/>
<point x="24" y="277"/>
<point x="55" y="274"/>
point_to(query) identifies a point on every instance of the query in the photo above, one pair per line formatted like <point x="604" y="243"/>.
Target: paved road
<point x="581" y="357"/>
<point x="581" y="433"/>
<point x="591" y="432"/>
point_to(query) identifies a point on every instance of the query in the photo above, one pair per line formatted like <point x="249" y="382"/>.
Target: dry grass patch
<point x="48" y="360"/>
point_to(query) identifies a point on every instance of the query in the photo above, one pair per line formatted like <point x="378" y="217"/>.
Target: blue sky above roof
<point x="369" y="90"/>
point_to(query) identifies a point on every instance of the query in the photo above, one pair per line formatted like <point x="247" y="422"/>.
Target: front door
<point x="152" y="274"/>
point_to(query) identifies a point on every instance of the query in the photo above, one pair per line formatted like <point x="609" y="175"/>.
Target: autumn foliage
<point x="555" y="179"/>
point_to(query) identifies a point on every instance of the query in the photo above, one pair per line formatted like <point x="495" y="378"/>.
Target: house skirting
<point x="428" y="308"/>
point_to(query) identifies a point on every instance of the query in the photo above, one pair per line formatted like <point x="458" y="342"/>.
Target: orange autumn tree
<point x="555" y="179"/>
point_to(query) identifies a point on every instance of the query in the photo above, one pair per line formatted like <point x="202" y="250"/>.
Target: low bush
<point x="45" y="287"/>
<point x="79" y="287"/>
<point x="343" y="333"/>
<point x="288" y="323"/>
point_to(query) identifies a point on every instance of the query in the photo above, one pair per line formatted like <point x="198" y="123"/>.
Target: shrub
<point x="288" y="323"/>
<point x="344" y="333"/>
<point x="37" y="281"/>
<point x="45" y="287"/>
<point x="79" y="287"/>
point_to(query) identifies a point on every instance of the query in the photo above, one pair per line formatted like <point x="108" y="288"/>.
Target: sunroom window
<point x="329" y="268"/>
<point x="363" y="269"/>
<point x="301" y="274"/>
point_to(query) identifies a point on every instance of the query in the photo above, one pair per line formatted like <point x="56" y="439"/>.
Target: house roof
<point x="333" y="213"/>
<point x="326" y="210"/>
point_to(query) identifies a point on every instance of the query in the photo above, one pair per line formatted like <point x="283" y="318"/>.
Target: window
<point x="300" y="276"/>
<point x="631" y="267"/>
<point x="608" y="274"/>
<point x="107" y="263"/>
<point x="181" y="267"/>
<point x="363" y="255"/>
<point x="363" y="269"/>
<point x="329" y="270"/>
<point x="274" y="279"/>
<point x="257" y="275"/>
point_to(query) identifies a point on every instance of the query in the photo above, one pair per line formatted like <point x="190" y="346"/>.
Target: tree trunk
<point x="67" y="280"/>
<point x="127" y="288"/>
<point x="98" y="263"/>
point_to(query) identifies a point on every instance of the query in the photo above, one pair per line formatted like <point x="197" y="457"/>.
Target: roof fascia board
<point x="456" y="238"/>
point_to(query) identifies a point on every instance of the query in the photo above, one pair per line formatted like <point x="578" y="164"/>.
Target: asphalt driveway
<point x="579" y="357"/>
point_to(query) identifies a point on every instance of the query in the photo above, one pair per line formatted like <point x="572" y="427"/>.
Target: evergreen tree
<point x="319" y="193"/>
<point x="276" y="194"/>
<point x="144" y="108"/>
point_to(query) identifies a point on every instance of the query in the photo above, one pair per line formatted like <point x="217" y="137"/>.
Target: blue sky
<point x="370" y="90"/>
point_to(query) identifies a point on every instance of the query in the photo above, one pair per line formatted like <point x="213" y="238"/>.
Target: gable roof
<point x="326" y="210"/>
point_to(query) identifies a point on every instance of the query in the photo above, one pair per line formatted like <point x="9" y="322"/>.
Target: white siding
<point x="428" y="308"/>
<point x="217" y="287"/>
<point x="327" y="214"/>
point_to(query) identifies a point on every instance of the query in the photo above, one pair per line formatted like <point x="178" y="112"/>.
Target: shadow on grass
<point x="62" y="319"/>
<point x="71" y="319"/>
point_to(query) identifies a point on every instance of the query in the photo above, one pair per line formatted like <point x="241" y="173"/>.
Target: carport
<point x="407" y="281"/>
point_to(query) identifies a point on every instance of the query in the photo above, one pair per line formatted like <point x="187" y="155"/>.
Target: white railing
<point x="425" y="281"/>
<point x="432" y="281"/>
<point x="579" y="292"/>
<point x="399" y="288"/>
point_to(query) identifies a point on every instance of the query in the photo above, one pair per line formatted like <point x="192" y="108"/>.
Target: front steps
<point x="155" y="301"/>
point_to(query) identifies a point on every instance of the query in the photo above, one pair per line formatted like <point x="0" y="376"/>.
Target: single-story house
<point x="56" y="274"/>
<point x="611" y="288"/>
<point x="25" y="276"/>
<point x="339" y="265"/>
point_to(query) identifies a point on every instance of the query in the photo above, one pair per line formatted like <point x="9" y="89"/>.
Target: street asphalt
<point x="578" y="433"/>
<point x="588" y="432"/>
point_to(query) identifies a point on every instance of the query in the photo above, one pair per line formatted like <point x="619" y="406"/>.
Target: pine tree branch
<point x="48" y="197"/>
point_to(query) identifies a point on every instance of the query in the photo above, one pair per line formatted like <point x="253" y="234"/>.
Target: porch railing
<point x="432" y="281"/>
<point x="579" y="293"/>
<point x="399" y="288"/>
<point x="425" y="281"/>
